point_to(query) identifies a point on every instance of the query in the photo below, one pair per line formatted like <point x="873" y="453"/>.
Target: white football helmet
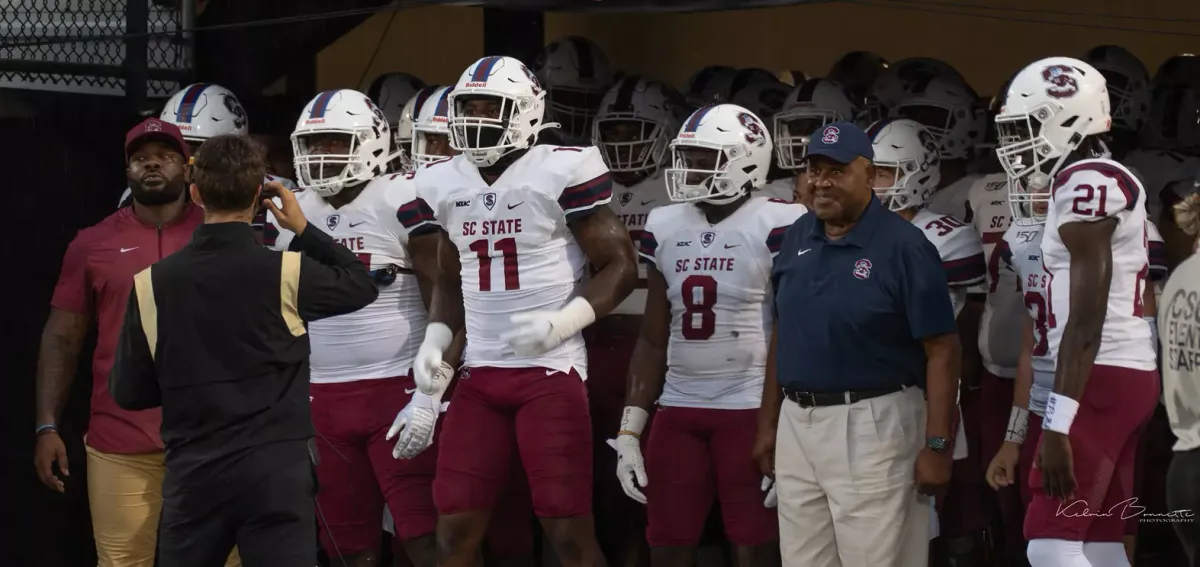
<point x="432" y="119"/>
<point x="402" y="131"/>
<point x="718" y="84"/>
<point x="721" y="153"/>
<point x="1128" y="85"/>
<point x="1050" y="107"/>
<point x="340" y="113"/>
<point x="809" y="107"/>
<point x="391" y="92"/>
<point x="899" y="79"/>
<point x="653" y="108"/>
<point x="950" y="110"/>
<point x="575" y="73"/>
<point x="1174" y="120"/>
<point x="486" y="139"/>
<point x="912" y="151"/>
<point x="203" y="111"/>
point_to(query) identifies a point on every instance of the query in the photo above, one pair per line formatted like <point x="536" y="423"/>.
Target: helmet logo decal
<point x="1061" y="79"/>
<point x="235" y="108"/>
<point x="830" y="135"/>
<point x="754" y="132"/>
<point x="535" y="84"/>
<point x="932" y="152"/>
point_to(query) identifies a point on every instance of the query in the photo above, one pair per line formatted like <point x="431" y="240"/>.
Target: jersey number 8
<point x="699" y="296"/>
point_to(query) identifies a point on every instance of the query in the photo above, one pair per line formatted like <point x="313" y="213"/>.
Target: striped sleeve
<point x="963" y="258"/>
<point x="1158" y="254"/>
<point x="775" y="239"/>
<point x="648" y="247"/>
<point x="417" y="217"/>
<point x="590" y="188"/>
<point x="1006" y="257"/>
<point x="1094" y="189"/>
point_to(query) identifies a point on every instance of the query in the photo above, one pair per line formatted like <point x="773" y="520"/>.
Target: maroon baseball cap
<point x="155" y="129"/>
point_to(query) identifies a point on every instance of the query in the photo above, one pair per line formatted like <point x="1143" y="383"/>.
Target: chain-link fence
<point x="80" y="46"/>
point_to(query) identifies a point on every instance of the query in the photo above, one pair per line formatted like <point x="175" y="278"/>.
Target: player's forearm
<point x="968" y="337"/>
<point x="647" y="375"/>
<point x="612" y="282"/>
<point x="1081" y="337"/>
<point x="1024" y="382"/>
<point x="446" y="305"/>
<point x="58" y="358"/>
<point x="943" y="361"/>
<point x="454" y="353"/>
<point x="772" y="394"/>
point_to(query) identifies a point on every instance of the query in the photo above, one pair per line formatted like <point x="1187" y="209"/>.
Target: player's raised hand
<point x="288" y="213"/>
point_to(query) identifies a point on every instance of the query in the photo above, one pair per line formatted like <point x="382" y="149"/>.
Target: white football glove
<point x="768" y="486"/>
<point x="536" y="332"/>
<point x="631" y="468"/>
<point x="428" y="362"/>
<point x="415" y="423"/>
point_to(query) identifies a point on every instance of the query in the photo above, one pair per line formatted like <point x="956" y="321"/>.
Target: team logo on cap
<point x="153" y="126"/>
<point x="830" y="136"/>
<point x="862" y="269"/>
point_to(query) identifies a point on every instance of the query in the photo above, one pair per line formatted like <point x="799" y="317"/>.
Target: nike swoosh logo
<point x="511" y="207"/>
<point x="550" y="371"/>
<point x="728" y="246"/>
<point x="802" y="252"/>
<point x="354" y="224"/>
<point x="644" y="203"/>
<point x="410" y="392"/>
<point x="124" y="250"/>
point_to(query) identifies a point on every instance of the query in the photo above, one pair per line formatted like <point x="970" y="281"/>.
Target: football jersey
<point x="1087" y="191"/>
<point x="782" y="189"/>
<point x="1021" y="256"/>
<point x="1000" y="325"/>
<point x="960" y="249"/>
<point x="1162" y="171"/>
<point x="719" y="286"/>
<point x="127" y="196"/>
<point x="633" y="205"/>
<point x="515" y="245"/>
<point x="954" y="199"/>
<point x="381" y="339"/>
<point x="1157" y="252"/>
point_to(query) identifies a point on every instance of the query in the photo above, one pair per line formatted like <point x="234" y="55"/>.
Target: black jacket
<point x="215" y="335"/>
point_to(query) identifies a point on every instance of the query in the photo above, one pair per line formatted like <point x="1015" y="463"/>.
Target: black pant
<point x="1183" y="493"/>
<point x="271" y="521"/>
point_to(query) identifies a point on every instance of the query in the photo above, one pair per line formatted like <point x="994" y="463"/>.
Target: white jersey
<point x="719" y="285"/>
<point x="782" y="189"/>
<point x="127" y="196"/>
<point x="1163" y="171"/>
<point x="1087" y="191"/>
<point x="381" y="339"/>
<point x="960" y="249"/>
<point x="515" y="245"/>
<point x="954" y="199"/>
<point x="633" y="205"/>
<point x="1000" y="325"/>
<point x="1158" y="253"/>
<point x="1022" y="257"/>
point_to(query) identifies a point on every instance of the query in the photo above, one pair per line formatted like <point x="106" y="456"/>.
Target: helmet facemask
<point x="486" y="132"/>
<point x="574" y="108"/>
<point x="792" y="130"/>
<point x="707" y="172"/>
<point x="630" y="144"/>
<point x="904" y="184"/>
<point x="329" y="160"/>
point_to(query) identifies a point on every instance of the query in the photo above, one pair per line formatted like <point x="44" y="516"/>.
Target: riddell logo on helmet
<point x="474" y="85"/>
<point x="687" y="135"/>
<point x="314" y="121"/>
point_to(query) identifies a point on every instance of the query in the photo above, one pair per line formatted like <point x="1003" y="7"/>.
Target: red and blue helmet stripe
<point x="321" y="104"/>
<point x="693" y="122"/>
<point x="484" y="69"/>
<point x="443" y="103"/>
<point x="187" y="105"/>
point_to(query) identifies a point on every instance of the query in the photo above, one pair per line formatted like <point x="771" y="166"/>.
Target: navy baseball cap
<point x="841" y="142"/>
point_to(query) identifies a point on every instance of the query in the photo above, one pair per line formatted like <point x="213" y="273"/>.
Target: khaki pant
<point x="844" y="476"/>
<point x="125" y="497"/>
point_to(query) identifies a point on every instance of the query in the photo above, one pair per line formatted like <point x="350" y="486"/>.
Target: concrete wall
<point x="437" y="43"/>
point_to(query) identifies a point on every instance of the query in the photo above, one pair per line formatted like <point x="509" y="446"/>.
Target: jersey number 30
<point x="699" y="297"/>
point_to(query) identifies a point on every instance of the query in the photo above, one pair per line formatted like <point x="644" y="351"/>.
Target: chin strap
<point x="547" y="126"/>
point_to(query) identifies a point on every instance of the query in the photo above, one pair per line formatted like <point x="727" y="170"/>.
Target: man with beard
<point x="125" y="452"/>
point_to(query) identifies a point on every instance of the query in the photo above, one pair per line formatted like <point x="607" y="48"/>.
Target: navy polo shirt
<point x="852" y="311"/>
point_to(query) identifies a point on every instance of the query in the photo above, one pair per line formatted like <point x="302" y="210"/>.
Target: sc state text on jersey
<point x="704" y="265"/>
<point x="490" y="227"/>
<point x="352" y="243"/>
<point x="633" y="220"/>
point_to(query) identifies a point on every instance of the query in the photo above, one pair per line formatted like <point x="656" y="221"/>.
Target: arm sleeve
<point x="416" y="216"/>
<point x="73" y="291"/>
<point x="332" y="280"/>
<point x="925" y="295"/>
<point x="133" y="382"/>
<point x="590" y="186"/>
<point x="647" y="246"/>
<point x="1094" y="190"/>
<point x="1158" y="253"/>
<point x="783" y="219"/>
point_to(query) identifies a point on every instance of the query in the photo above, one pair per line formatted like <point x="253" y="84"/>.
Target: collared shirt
<point x="852" y="311"/>
<point x="215" y="335"/>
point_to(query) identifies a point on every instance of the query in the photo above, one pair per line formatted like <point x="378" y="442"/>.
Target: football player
<point x="765" y="99"/>
<point x="522" y="224"/>
<point x="907" y="170"/>
<point x="701" y="355"/>
<point x="808" y="107"/>
<point x="1095" y="254"/>
<point x="395" y="94"/>
<point x="575" y="73"/>
<point x="857" y="71"/>
<point x="633" y="130"/>
<point x="361" y="362"/>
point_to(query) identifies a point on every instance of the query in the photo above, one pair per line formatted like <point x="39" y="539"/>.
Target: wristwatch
<point x="938" y="444"/>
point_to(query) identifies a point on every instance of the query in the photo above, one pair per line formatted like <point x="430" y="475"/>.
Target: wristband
<point x="1060" y="413"/>
<point x="573" y="317"/>
<point x="47" y="428"/>
<point x="633" y="421"/>
<point x="439" y="336"/>
<point x="1018" y="425"/>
